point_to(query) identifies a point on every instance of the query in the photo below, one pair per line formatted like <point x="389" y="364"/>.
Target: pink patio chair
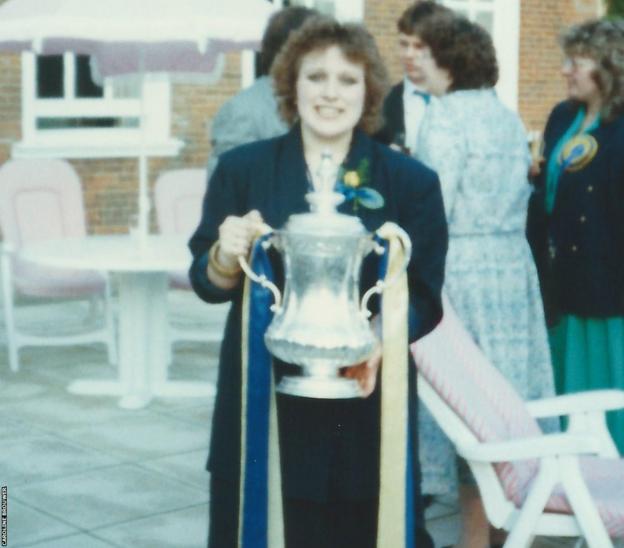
<point x="42" y="199"/>
<point x="178" y="197"/>
<point x="565" y="484"/>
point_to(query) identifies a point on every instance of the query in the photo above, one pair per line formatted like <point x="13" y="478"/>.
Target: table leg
<point x="143" y="346"/>
<point x="142" y="334"/>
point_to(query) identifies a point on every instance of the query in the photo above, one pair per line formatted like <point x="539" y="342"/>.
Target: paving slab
<point x="74" y="541"/>
<point x="13" y="429"/>
<point x="46" y="457"/>
<point x="28" y="525"/>
<point x="57" y="411"/>
<point x="139" y="436"/>
<point x="186" y="528"/>
<point x="109" y="496"/>
<point x="189" y="468"/>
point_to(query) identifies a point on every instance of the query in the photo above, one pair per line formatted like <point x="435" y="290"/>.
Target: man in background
<point x="406" y="103"/>
<point x="252" y="114"/>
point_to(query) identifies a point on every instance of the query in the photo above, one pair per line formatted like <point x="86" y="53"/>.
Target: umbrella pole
<point x="143" y="196"/>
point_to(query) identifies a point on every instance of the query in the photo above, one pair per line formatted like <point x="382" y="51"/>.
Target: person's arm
<point x="232" y="125"/>
<point x="250" y="115"/>
<point x="223" y="199"/>
<point x="236" y="234"/>
<point x="424" y="220"/>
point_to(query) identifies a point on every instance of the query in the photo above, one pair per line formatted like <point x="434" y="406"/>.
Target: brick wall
<point x="10" y="103"/>
<point x="540" y="84"/>
<point x="380" y="18"/>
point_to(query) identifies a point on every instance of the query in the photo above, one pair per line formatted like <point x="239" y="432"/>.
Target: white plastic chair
<point x="178" y="197"/>
<point x="567" y="484"/>
<point x="42" y="199"/>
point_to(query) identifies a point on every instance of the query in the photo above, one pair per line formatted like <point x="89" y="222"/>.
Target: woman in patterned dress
<point x="479" y="149"/>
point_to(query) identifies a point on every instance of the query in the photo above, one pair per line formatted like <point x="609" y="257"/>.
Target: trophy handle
<point x="262" y="280"/>
<point x="390" y="230"/>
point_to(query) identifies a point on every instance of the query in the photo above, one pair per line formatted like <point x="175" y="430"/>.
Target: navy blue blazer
<point x="579" y="247"/>
<point x="393" y="129"/>
<point x="325" y="444"/>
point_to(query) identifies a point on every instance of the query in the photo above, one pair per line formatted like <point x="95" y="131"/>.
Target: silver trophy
<point x="321" y="325"/>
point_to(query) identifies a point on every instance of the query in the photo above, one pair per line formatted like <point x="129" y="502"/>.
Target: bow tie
<point x="425" y="96"/>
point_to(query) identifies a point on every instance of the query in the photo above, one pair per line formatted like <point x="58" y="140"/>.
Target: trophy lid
<point x="323" y="199"/>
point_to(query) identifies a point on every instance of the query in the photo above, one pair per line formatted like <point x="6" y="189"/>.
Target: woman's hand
<point x="536" y="166"/>
<point x="537" y="154"/>
<point x="366" y="372"/>
<point x="236" y="234"/>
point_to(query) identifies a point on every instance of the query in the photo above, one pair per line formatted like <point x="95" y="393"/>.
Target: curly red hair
<point x="356" y="44"/>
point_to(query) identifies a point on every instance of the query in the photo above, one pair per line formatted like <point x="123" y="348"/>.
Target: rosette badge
<point x="578" y="152"/>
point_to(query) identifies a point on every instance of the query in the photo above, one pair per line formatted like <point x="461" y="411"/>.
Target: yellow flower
<point x="352" y="179"/>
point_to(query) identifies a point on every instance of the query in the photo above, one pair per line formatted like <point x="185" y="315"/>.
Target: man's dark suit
<point x="393" y="130"/>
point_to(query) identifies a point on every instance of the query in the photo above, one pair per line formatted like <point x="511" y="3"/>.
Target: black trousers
<point x="308" y="524"/>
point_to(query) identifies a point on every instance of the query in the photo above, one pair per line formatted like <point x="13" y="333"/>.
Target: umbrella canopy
<point x="170" y="35"/>
<point x="136" y="36"/>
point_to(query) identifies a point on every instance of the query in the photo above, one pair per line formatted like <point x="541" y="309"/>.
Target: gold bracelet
<point x="219" y="268"/>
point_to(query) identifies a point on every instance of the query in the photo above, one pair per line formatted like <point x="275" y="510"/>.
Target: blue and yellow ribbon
<point x="261" y="522"/>
<point x="395" y="473"/>
<point x="260" y="512"/>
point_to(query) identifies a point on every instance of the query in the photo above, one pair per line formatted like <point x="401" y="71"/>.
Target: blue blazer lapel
<point x="291" y="181"/>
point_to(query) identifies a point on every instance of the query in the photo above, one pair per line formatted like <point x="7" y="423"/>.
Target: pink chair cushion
<point x="41" y="199"/>
<point x="178" y="196"/>
<point x="180" y="279"/>
<point x="605" y="481"/>
<point x="464" y="378"/>
<point x="492" y="410"/>
<point x="40" y="281"/>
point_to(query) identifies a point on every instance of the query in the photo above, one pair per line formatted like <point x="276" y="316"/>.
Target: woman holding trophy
<point x="332" y="492"/>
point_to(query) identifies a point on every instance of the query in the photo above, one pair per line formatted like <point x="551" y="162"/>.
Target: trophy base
<point x="321" y="388"/>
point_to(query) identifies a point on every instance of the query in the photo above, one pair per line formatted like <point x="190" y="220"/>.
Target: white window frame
<point x="506" y="38"/>
<point x="151" y="136"/>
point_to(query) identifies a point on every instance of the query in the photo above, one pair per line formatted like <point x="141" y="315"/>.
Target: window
<point x="502" y="19"/>
<point x="65" y="113"/>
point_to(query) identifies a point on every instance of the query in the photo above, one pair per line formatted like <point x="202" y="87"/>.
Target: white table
<point x="141" y="266"/>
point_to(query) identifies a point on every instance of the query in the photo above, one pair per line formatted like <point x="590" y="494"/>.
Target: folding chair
<point x="178" y="196"/>
<point x="567" y="484"/>
<point x="42" y="199"/>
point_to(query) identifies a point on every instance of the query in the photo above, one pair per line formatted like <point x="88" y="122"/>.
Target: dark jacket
<point x="393" y="129"/>
<point x="329" y="447"/>
<point x="579" y="247"/>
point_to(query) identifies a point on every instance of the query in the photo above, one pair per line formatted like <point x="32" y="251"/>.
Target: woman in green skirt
<point x="576" y="220"/>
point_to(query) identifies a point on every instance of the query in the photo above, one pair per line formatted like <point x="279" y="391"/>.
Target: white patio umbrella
<point x="136" y="37"/>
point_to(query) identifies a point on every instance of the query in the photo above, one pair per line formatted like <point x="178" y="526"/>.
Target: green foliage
<point x="615" y="8"/>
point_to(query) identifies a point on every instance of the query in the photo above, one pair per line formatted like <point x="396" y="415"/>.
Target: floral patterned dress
<point x="479" y="149"/>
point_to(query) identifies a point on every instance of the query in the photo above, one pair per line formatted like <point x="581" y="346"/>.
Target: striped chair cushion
<point x="489" y="406"/>
<point x="464" y="378"/>
<point x="605" y="481"/>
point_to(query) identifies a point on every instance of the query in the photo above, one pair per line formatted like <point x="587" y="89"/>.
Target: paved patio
<point x="83" y="473"/>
